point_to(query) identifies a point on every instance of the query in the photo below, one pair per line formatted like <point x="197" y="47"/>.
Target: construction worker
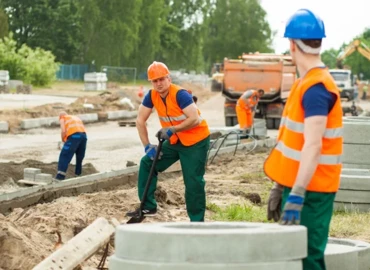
<point x="365" y="87"/>
<point x="186" y="137"/>
<point x="306" y="162"/>
<point x="73" y="135"/>
<point x="246" y="106"/>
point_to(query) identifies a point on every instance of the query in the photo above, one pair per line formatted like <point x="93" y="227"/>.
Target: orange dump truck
<point x="273" y="73"/>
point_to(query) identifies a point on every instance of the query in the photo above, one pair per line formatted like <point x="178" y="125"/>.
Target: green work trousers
<point x="193" y="161"/>
<point x="315" y="216"/>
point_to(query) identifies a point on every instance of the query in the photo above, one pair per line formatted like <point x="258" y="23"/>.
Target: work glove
<point x="165" y="133"/>
<point x="274" y="203"/>
<point x="151" y="150"/>
<point x="293" y="207"/>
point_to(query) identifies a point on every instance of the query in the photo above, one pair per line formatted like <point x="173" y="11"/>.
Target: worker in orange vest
<point x="187" y="139"/>
<point x="246" y="106"/>
<point x="306" y="162"/>
<point x="73" y="135"/>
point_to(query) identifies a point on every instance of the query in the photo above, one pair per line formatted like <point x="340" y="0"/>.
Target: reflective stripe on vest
<point x="296" y="155"/>
<point x="182" y="117"/>
<point x="330" y="133"/>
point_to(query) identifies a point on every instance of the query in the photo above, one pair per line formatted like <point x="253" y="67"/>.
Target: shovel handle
<point x="159" y="148"/>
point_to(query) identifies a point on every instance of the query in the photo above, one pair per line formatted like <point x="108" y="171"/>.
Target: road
<point x="20" y="101"/>
<point x="109" y="146"/>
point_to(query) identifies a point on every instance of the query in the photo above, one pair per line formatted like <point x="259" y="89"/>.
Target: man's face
<point x="161" y="85"/>
<point x="260" y="94"/>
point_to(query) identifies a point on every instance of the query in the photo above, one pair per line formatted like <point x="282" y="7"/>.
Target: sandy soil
<point x="32" y="232"/>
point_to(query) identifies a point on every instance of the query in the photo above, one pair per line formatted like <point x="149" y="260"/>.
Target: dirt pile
<point x="106" y="101"/>
<point x="11" y="172"/>
<point x="203" y="93"/>
<point x="29" y="235"/>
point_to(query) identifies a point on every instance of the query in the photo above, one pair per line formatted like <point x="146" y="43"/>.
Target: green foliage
<point x="237" y="212"/>
<point x="235" y="27"/>
<point x="186" y="34"/>
<point x="329" y="58"/>
<point x="32" y="66"/>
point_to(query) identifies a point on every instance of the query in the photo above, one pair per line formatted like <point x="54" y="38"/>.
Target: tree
<point x="110" y="30"/>
<point x="236" y="26"/>
<point x="329" y="57"/>
<point x="3" y="24"/>
<point x="49" y="24"/>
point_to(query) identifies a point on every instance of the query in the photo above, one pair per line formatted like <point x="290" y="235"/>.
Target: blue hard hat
<point x="304" y="24"/>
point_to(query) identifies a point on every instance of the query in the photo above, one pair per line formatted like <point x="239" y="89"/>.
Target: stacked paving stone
<point x="4" y="81"/>
<point x="33" y="176"/>
<point x="354" y="190"/>
<point x="95" y="81"/>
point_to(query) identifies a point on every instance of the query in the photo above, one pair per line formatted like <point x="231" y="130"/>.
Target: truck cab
<point x="345" y="82"/>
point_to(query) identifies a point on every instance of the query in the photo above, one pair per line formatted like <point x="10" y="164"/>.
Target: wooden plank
<point x="79" y="248"/>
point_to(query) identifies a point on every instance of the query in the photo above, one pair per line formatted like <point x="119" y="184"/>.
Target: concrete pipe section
<point x="356" y="143"/>
<point x="209" y="246"/>
<point x="354" y="191"/>
<point x="341" y="254"/>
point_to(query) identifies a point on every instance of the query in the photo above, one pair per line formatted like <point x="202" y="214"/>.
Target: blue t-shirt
<point x="318" y="101"/>
<point x="183" y="99"/>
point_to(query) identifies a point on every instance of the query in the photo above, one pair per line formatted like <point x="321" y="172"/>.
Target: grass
<point x="237" y="212"/>
<point x="344" y="224"/>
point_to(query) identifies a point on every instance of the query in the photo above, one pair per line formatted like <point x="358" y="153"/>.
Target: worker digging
<point x="187" y="139"/>
<point x="246" y="107"/>
<point x="306" y="162"/>
<point x="73" y="134"/>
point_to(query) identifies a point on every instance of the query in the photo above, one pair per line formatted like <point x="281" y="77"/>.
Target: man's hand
<point x="151" y="150"/>
<point x="165" y="133"/>
<point x="274" y="203"/>
<point x="293" y="207"/>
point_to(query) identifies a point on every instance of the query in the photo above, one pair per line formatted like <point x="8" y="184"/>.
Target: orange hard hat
<point x="157" y="70"/>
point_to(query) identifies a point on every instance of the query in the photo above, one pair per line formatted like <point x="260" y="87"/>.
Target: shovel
<point x="139" y="218"/>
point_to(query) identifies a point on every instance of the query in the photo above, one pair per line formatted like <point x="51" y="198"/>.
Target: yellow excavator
<point x="343" y="75"/>
<point x="355" y="45"/>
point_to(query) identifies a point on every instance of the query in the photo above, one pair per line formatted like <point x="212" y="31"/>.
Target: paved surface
<point x="14" y="101"/>
<point x="109" y="146"/>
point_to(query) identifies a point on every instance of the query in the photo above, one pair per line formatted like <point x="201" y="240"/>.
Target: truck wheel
<point x="277" y="123"/>
<point x="270" y="123"/>
<point x="229" y="121"/>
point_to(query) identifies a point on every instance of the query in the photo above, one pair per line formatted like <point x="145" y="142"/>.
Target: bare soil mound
<point x="14" y="171"/>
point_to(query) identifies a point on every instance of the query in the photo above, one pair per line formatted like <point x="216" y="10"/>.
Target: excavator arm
<point x="352" y="47"/>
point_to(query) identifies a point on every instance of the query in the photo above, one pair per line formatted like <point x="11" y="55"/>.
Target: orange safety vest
<point x="72" y="125"/>
<point x="253" y="99"/>
<point x="170" y="114"/>
<point x="283" y="163"/>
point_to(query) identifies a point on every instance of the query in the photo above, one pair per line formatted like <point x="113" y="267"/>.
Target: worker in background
<point x="306" y="162"/>
<point x="355" y="91"/>
<point x="186" y="137"/>
<point x="246" y="107"/>
<point x="365" y="87"/>
<point x="73" y="135"/>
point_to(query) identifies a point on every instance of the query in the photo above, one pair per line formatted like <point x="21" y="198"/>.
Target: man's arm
<point x="142" y="117"/>
<point x="63" y="130"/>
<point x="192" y="119"/>
<point x="314" y="129"/>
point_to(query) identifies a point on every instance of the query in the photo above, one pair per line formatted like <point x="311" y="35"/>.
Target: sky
<point x="343" y="19"/>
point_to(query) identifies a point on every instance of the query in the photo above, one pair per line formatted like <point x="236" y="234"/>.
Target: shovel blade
<point x="137" y="219"/>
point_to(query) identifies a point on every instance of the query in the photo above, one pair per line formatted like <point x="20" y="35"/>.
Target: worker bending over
<point x="306" y="162"/>
<point x="246" y="106"/>
<point x="186" y="137"/>
<point x="73" y="135"/>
